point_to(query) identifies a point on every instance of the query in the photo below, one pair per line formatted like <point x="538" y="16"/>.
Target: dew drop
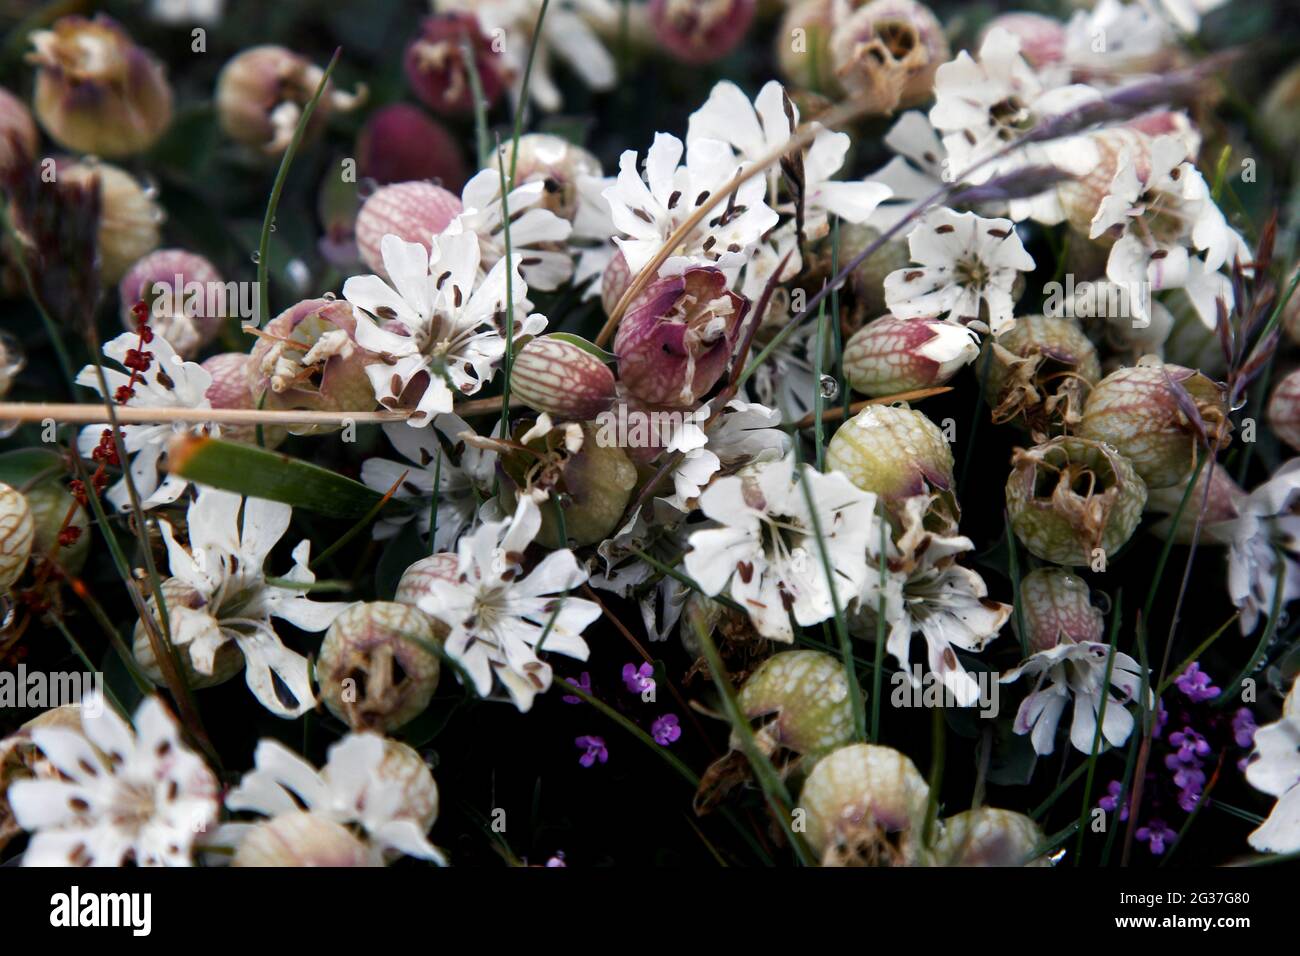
<point x="830" y="388"/>
<point x="366" y="187"/>
<point x="256" y="257"/>
<point x="329" y="297"/>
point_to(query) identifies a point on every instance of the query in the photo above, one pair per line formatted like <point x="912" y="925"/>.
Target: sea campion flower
<point x="1264" y="534"/>
<point x="537" y="234"/>
<point x="919" y="168"/>
<point x="441" y="327"/>
<point x="1274" y="768"/>
<point x="232" y="602"/>
<point x="499" y="618"/>
<point x="765" y="552"/>
<point x="155" y="377"/>
<point x="967" y="270"/>
<point x="121" y="794"/>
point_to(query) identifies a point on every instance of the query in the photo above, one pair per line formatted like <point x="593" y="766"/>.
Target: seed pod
<point x="129" y="218"/>
<point x="803" y="46"/>
<point x="892" y="355"/>
<point x="677" y="337"/>
<point x="1284" y="409"/>
<point x="302" y="839"/>
<point x="700" y="31"/>
<point x="402" y="771"/>
<point x="867" y="281"/>
<point x="1222" y="508"/>
<point x="865" y="804"/>
<point x="556" y="163"/>
<point x="187" y="299"/>
<point x="414" y="583"/>
<point x="614" y="281"/>
<point x="415" y="212"/>
<point x="230" y="373"/>
<point x="806" y="695"/>
<point x="554" y="374"/>
<point x="19" y="140"/>
<point x="887" y="51"/>
<point x="438" y="71"/>
<point x="1098" y="156"/>
<point x="987" y="836"/>
<point x="1039" y="372"/>
<point x="50" y="504"/>
<point x="399" y="143"/>
<point x="896" y="453"/>
<point x="1042" y="39"/>
<point x="261" y="94"/>
<point x="1070" y="496"/>
<point x="1056" y="606"/>
<point x="1144" y="413"/>
<point x="187" y="613"/>
<point x="17" y="533"/>
<point x="374" y="671"/>
<point x="96" y="91"/>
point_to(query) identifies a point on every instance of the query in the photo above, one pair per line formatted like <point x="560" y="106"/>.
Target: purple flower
<point x="1157" y="834"/>
<point x="1115" y="791"/>
<point x="665" y="730"/>
<point x="583" y="683"/>
<point x="639" y="679"/>
<point x="1190" y="744"/>
<point x="1195" y="683"/>
<point x="593" y="750"/>
<point x="557" y="860"/>
<point x="1244" y="727"/>
<point x="1162" y="718"/>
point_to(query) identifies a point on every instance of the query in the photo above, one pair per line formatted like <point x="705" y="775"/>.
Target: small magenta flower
<point x="1157" y="835"/>
<point x="665" y="730"/>
<point x="639" y="679"/>
<point x="1195" y="683"/>
<point x="593" y="750"/>
<point x="1114" y="794"/>
<point x="583" y="683"/>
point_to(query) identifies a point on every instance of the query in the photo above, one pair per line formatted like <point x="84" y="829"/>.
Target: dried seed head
<point x="302" y="839"/>
<point x="888" y="52"/>
<point x="438" y="70"/>
<point x="399" y="143"/>
<point x="129" y="218"/>
<point x="1039" y="374"/>
<point x="1057" y="606"/>
<point x="1157" y="416"/>
<point x="96" y="91"/>
<point x="562" y="376"/>
<point x="186" y="297"/>
<point x="1069" y="497"/>
<point x="865" y="805"/>
<point x="806" y="696"/>
<point x="414" y="211"/>
<point x="17" y="534"/>
<point x="374" y="670"/>
<point x="892" y="355"/>
<point x="987" y="836"/>
<point x="700" y="31"/>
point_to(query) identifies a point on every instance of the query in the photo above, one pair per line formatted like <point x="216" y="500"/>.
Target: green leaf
<point x="259" y="473"/>
<point x="589" y="347"/>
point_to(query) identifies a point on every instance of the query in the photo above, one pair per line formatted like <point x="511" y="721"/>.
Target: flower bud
<point x="96" y="91"/>
<point x="803" y="46"/>
<point x="557" y="375"/>
<point x="1222" y="507"/>
<point x="302" y="839"/>
<point x="987" y="836"/>
<point x="1143" y="412"/>
<point x="1040" y="372"/>
<point x="414" y="212"/>
<point x="888" y="51"/>
<point x="556" y="163"/>
<point x="1042" y="39"/>
<point x="438" y="70"/>
<point x="17" y="534"/>
<point x="892" y="355"/>
<point x="1284" y="409"/>
<point x="129" y="218"/>
<point x="50" y="504"/>
<point x="403" y="771"/>
<point x="19" y="140"/>
<point x="806" y="695"/>
<point x="867" y="281"/>
<point x="614" y="281"/>
<point x="677" y="337"/>
<point x="261" y="94"/>
<point x="865" y="804"/>
<point x="308" y="358"/>
<point x="1070" y="497"/>
<point x="1056" y="606"/>
<point x="230" y="389"/>
<point x="187" y="299"/>
<point x="375" y="671"/>
<point x="896" y="453"/>
<point x="399" y="143"/>
<point x="700" y="31"/>
<point x="414" y="583"/>
<point x="187" y="613"/>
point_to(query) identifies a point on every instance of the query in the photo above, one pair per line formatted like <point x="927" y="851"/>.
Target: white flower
<point x="223" y="563"/>
<point x="965" y="262"/>
<point x="649" y="210"/>
<point x="746" y="432"/>
<point x="926" y="591"/>
<point x="1266" y="531"/>
<point x="1113" y="41"/>
<point x="982" y="105"/>
<point x="1275" y="769"/>
<point x="593" y="227"/>
<point x="430" y="466"/>
<point x="916" y="173"/>
<point x="765" y="553"/>
<point x="1184" y="14"/>
<point x="169" y="382"/>
<point x="566" y="32"/>
<point x="441" y="323"/>
<point x="1077" y="670"/>
<point x="534" y="232"/>
<point x="124" y="795"/>
<point x="379" y="785"/>
<point x="498" y="617"/>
